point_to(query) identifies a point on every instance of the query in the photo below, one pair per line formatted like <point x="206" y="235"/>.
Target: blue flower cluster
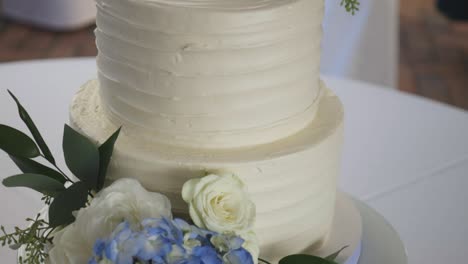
<point x="167" y="241"/>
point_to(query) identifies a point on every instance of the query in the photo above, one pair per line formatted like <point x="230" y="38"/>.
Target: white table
<point x="405" y="156"/>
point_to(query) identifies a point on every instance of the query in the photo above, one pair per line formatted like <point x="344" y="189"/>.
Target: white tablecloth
<point x="405" y="156"/>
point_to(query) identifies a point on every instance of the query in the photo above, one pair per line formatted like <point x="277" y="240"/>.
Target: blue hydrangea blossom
<point x="167" y="241"/>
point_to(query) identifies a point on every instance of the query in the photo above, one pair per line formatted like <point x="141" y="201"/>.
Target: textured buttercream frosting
<point x="292" y="181"/>
<point x="210" y="73"/>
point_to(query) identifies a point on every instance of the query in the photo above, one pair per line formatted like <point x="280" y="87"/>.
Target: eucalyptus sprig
<point x="63" y="194"/>
<point x="351" y="6"/>
<point x="35" y="237"/>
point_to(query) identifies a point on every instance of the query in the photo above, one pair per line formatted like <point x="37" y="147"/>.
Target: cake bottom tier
<point x="292" y="181"/>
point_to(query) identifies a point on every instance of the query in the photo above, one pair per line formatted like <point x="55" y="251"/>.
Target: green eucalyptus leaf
<point x="33" y="129"/>
<point x="30" y="166"/>
<point x="105" y="154"/>
<point x="41" y="183"/>
<point x="305" y="259"/>
<point x="16" y="143"/>
<point x="62" y="208"/>
<point x="81" y="156"/>
<point x="336" y="254"/>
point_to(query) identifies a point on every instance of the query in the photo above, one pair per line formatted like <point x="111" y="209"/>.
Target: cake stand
<point x="380" y="242"/>
<point x="369" y="237"/>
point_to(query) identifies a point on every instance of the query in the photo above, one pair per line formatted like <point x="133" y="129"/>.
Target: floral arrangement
<point x="124" y="223"/>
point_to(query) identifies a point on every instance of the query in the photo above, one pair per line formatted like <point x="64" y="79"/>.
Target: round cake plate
<point x="369" y="237"/>
<point x="380" y="242"/>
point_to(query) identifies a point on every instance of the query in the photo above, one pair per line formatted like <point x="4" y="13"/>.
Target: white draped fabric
<point x="363" y="46"/>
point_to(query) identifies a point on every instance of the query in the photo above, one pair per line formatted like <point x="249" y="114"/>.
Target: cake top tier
<point x="206" y="73"/>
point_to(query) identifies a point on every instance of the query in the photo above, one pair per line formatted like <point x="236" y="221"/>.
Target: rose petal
<point x="188" y="190"/>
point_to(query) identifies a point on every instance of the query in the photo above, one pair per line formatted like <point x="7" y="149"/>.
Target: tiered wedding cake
<point x="221" y="85"/>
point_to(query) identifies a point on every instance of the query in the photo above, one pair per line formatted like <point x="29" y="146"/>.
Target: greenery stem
<point x="50" y="232"/>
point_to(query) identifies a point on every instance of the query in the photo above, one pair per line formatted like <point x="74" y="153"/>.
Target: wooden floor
<point x="433" y="51"/>
<point x="20" y="42"/>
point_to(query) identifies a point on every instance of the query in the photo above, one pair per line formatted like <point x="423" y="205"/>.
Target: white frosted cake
<point x="221" y="86"/>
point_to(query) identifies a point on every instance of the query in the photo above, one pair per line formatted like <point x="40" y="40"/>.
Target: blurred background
<point x="416" y="46"/>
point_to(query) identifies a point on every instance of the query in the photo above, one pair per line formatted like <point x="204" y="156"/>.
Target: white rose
<point x="126" y="200"/>
<point x="220" y="203"/>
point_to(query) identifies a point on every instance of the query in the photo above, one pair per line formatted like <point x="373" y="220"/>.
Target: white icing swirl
<point x="210" y="73"/>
